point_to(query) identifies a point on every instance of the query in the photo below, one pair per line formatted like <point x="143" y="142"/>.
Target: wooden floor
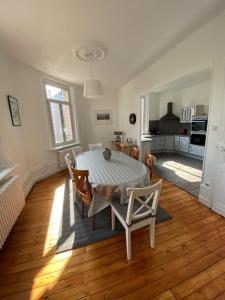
<point x="188" y="261"/>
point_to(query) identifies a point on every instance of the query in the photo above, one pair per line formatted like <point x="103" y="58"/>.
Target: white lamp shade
<point x="93" y="88"/>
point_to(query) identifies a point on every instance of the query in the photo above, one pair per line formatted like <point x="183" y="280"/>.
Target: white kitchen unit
<point x="162" y="143"/>
<point x="186" y="114"/>
<point x="169" y="143"/>
<point x="184" y="143"/>
<point x="196" y="150"/>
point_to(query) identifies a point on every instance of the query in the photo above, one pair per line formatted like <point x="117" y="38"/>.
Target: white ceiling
<point x="42" y="33"/>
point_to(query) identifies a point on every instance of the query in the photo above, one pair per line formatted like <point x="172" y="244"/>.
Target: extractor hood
<point x="170" y="116"/>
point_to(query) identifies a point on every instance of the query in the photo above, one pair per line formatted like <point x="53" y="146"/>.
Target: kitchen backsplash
<point x="168" y="127"/>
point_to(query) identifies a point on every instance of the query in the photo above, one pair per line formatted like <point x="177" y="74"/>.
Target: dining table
<point x="116" y="174"/>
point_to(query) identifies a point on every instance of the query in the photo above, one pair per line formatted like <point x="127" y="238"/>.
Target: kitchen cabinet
<point x="186" y="114"/>
<point x="169" y="143"/>
<point x="160" y="143"/>
<point x="197" y="150"/>
<point x="184" y="144"/>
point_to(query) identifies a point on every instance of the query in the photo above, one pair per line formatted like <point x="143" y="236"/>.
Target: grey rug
<point x="185" y="172"/>
<point x="76" y="232"/>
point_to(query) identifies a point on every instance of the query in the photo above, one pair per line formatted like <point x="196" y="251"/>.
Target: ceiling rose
<point x="90" y="51"/>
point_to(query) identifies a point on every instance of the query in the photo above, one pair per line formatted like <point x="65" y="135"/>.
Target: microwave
<point x="199" y="124"/>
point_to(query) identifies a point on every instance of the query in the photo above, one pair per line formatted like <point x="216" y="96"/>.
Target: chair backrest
<point x="94" y="147"/>
<point x="80" y="178"/>
<point x="134" y="152"/>
<point x="76" y="150"/>
<point x="120" y="147"/>
<point x="150" y="161"/>
<point x="69" y="164"/>
<point x="143" y="196"/>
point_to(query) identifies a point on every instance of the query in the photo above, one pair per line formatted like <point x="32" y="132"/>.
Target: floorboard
<point x="188" y="261"/>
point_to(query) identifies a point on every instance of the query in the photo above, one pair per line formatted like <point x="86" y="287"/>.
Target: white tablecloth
<point x="121" y="171"/>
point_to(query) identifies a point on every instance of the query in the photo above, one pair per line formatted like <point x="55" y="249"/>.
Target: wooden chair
<point x="76" y="151"/>
<point x="80" y="178"/>
<point x="94" y="147"/>
<point x="69" y="164"/>
<point x="150" y="161"/>
<point x="120" y="147"/>
<point x="139" y="212"/>
<point x="134" y="152"/>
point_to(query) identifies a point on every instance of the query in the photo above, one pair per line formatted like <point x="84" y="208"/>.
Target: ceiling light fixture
<point x="91" y="52"/>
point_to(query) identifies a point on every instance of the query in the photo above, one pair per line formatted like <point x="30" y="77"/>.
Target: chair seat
<point x="122" y="209"/>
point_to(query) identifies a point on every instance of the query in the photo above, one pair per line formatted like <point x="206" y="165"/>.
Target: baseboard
<point x="219" y="210"/>
<point x="205" y="195"/>
<point x="38" y="175"/>
<point x="204" y="201"/>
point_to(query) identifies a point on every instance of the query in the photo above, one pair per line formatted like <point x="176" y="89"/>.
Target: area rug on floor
<point x="76" y="231"/>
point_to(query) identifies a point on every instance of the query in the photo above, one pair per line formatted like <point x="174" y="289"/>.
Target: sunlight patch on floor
<point x="55" y="218"/>
<point x="62" y="259"/>
<point x="185" y="172"/>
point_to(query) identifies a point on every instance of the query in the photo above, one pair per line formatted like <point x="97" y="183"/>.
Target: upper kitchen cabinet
<point x="186" y="114"/>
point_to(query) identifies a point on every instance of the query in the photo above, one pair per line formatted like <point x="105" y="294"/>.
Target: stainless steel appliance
<point x="198" y="139"/>
<point x="199" y="124"/>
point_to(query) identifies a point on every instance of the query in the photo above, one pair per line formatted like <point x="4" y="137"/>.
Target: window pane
<point x="67" y="121"/>
<point x="56" y="93"/>
<point x="57" y="124"/>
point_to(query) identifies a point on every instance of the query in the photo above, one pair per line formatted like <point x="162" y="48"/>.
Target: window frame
<point x="63" y="86"/>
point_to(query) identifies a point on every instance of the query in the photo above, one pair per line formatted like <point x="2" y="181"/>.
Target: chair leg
<point x="152" y="234"/>
<point x="82" y="208"/>
<point x="112" y="219"/>
<point x="93" y="222"/>
<point x="128" y="243"/>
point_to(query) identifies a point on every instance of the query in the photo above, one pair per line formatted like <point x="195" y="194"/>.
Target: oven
<point x="198" y="139"/>
<point x="199" y="123"/>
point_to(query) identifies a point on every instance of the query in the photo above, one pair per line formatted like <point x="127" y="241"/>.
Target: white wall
<point x="188" y="97"/>
<point x="31" y="144"/>
<point x="202" y="49"/>
<point x="89" y="131"/>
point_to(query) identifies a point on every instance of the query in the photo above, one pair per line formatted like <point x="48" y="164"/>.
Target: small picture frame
<point x="103" y="117"/>
<point x="14" y="110"/>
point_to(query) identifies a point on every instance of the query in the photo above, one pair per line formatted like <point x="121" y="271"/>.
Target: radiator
<point x="11" y="204"/>
<point x="61" y="157"/>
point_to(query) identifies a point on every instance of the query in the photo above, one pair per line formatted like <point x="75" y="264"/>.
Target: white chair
<point x="69" y="164"/>
<point x="139" y="212"/>
<point x="94" y="147"/>
<point x="76" y="151"/>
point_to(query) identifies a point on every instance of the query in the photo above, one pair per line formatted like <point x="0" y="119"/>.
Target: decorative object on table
<point x="14" y="111"/>
<point x="107" y="154"/>
<point x="91" y="52"/>
<point x="134" y="152"/>
<point x="132" y="118"/>
<point x="103" y="117"/>
<point x="118" y="135"/>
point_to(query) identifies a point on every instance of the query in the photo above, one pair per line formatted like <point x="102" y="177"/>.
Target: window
<point x="59" y="103"/>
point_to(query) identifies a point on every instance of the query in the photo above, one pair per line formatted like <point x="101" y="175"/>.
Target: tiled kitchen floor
<point x="183" y="171"/>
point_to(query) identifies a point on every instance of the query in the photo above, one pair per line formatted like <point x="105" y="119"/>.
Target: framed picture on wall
<point x="14" y="111"/>
<point x="103" y="117"/>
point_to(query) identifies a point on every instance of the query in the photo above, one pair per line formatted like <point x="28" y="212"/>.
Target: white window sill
<point x="65" y="146"/>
